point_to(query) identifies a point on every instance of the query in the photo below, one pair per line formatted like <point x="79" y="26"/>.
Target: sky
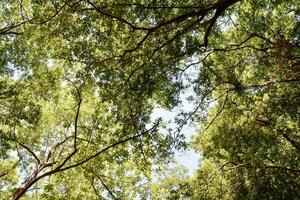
<point x="189" y="158"/>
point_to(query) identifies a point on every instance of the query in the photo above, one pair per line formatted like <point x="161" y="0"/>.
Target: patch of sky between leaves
<point x="188" y="158"/>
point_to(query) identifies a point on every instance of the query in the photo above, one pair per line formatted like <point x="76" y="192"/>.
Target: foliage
<point x="80" y="79"/>
<point x="255" y="129"/>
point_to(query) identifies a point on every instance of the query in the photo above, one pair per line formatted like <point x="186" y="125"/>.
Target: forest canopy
<point x="79" y="80"/>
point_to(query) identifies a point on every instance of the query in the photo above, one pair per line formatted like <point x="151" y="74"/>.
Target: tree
<point x="80" y="79"/>
<point x="252" y="131"/>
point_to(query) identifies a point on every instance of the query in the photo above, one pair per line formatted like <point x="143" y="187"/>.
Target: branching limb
<point x="133" y="27"/>
<point x="30" y="182"/>
<point x="30" y="151"/>
<point x="95" y="189"/>
<point x="77" y="113"/>
<point x="191" y="115"/>
<point x="254" y="165"/>
<point x="107" y="188"/>
<point x="218" y="113"/>
<point x="112" y="146"/>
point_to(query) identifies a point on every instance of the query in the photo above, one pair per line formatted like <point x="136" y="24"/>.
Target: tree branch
<point x="34" y="178"/>
<point x="110" y="147"/>
<point x="254" y="165"/>
<point x="133" y="27"/>
<point x="77" y="113"/>
<point x="107" y="188"/>
<point x="218" y="113"/>
<point x="30" y="151"/>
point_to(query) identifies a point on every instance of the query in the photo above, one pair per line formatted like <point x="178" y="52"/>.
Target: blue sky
<point x="189" y="158"/>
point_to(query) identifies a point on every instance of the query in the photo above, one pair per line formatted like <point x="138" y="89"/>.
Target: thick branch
<point x="219" y="7"/>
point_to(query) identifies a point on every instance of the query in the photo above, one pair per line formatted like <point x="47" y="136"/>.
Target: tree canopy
<point x="81" y="78"/>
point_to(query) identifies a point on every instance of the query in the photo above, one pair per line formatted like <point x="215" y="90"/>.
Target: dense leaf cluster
<point x="79" y="80"/>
